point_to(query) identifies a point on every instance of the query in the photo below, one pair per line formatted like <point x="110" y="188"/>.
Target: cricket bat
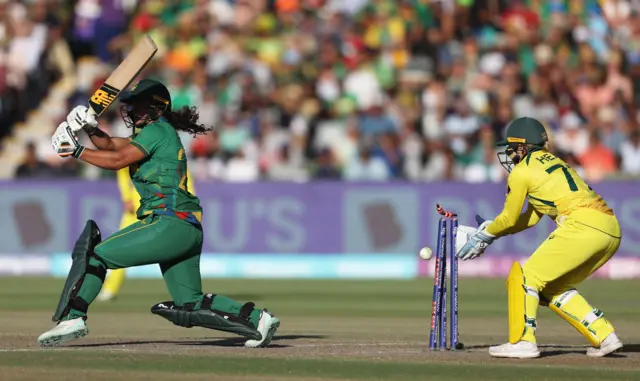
<point x="124" y="74"/>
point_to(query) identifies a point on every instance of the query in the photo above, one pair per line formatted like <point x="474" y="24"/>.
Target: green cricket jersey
<point x="161" y="178"/>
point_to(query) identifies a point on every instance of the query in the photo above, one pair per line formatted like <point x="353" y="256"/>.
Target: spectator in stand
<point x="440" y="163"/>
<point x="630" y="152"/>
<point x="32" y="167"/>
<point x="597" y="160"/>
<point x="240" y="169"/>
<point x="364" y="167"/>
<point x="326" y="167"/>
<point x="287" y="168"/>
<point x="610" y="130"/>
<point x="572" y="137"/>
<point x="460" y="124"/>
<point x="426" y="84"/>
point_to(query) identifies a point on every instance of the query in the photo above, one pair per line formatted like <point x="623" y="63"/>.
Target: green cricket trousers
<point x="170" y="242"/>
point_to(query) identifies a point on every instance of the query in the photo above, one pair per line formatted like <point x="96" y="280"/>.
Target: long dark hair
<point x="186" y="119"/>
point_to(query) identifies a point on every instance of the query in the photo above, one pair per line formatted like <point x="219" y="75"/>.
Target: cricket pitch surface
<point x="331" y="330"/>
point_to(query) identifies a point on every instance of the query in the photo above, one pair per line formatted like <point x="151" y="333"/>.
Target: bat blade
<point x="123" y="75"/>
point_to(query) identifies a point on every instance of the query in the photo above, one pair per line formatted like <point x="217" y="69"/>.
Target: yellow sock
<point x="114" y="280"/>
<point x="587" y="320"/>
<point x="531" y="301"/>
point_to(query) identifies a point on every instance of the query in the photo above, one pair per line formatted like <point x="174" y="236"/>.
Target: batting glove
<point x="477" y="243"/>
<point x="65" y="142"/>
<point x="81" y="117"/>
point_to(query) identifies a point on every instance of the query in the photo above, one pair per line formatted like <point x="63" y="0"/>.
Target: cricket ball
<point x="426" y="253"/>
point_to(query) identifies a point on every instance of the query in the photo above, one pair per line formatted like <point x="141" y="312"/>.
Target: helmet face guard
<point x="139" y="113"/>
<point x="510" y="156"/>
<point x="130" y="117"/>
<point x="514" y="153"/>
<point x="144" y="103"/>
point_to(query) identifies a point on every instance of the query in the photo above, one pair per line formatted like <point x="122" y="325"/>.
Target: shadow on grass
<point x="226" y="342"/>
<point x="631" y="348"/>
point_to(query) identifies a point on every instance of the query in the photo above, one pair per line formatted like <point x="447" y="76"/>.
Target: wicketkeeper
<point x="168" y="231"/>
<point x="586" y="237"/>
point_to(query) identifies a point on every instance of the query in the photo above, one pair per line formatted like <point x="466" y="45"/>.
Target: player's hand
<point x="477" y="243"/>
<point x="65" y="142"/>
<point x="81" y="117"/>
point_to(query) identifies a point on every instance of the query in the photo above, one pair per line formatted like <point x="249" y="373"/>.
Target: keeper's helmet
<point x="524" y="135"/>
<point x="144" y="102"/>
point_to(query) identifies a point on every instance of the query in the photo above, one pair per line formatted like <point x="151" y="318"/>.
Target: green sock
<point x="230" y="306"/>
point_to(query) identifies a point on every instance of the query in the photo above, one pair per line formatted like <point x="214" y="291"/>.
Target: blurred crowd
<point x="26" y="71"/>
<point x="378" y="90"/>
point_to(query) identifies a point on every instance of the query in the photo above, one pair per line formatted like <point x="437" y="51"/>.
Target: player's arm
<point x="528" y="219"/>
<point x="81" y="118"/>
<point x="516" y="196"/>
<point x="506" y="222"/>
<point x="112" y="160"/>
<point x="103" y="141"/>
<point x="65" y="143"/>
<point x="142" y="146"/>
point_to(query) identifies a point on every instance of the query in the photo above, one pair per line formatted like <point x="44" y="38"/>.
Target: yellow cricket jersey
<point x="553" y="188"/>
<point x="128" y="191"/>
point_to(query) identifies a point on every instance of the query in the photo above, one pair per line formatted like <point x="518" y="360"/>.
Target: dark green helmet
<point x="149" y="89"/>
<point x="524" y="135"/>
<point x="525" y="131"/>
<point x="144" y="102"/>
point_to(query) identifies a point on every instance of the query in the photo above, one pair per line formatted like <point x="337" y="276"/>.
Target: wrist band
<point x="78" y="152"/>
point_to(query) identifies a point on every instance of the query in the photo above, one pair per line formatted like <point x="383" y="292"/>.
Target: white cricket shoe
<point x="267" y="327"/>
<point x="519" y="350"/>
<point x="66" y="330"/>
<point x="609" y="345"/>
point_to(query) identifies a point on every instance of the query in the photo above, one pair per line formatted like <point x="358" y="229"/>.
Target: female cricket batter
<point x="130" y="204"/>
<point x="168" y="232"/>
<point x="586" y="237"/>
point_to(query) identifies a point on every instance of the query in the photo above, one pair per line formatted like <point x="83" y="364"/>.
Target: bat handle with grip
<point x="91" y="130"/>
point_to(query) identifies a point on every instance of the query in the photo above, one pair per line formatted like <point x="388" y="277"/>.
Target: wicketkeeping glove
<point x="65" y="142"/>
<point x="477" y="243"/>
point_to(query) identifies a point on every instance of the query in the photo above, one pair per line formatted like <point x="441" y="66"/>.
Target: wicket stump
<point x="447" y="232"/>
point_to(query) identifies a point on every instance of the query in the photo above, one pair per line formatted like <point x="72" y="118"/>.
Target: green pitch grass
<point x="331" y="330"/>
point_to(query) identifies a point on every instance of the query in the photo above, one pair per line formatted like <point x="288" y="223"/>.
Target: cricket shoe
<point x="66" y="330"/>
<point x="519" y="350"/>
<point x="267" y="327"/>
<point x="609" y="345"/>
